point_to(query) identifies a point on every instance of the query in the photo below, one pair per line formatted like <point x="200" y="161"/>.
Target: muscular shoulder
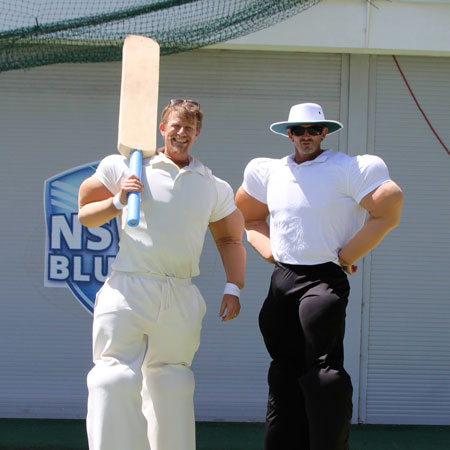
<point x="368" y="166"/>
<point x="366" y="173"/>
<point x="260" y="167"/>
<point x="256" y="177"/>
<point x="223" y="204"/>
<point x="356" y="162"/>
<point x="110" y="170"/>
<point x="218" y="183"/>
<point x="112" y="163"/>
<point x="365" y="162"/>
<point x="258" y="170"/>
<point x="222" y="187"/>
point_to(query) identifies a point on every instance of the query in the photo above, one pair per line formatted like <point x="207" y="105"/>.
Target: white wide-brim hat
<point x="306" y="114"/>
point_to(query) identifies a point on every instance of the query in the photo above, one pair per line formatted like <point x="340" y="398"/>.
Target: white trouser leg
<point x="169" y="407"/>
<point x="168" y="391"/>
<point x="115" y="420"/>
<point x="128" y="309"/>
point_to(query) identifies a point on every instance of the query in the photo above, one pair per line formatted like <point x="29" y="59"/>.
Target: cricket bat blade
<point x="139" y="96"/>
<point x="138" y="109"/>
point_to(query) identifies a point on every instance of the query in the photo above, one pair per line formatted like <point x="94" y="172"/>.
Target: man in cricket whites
<point x="148" y="314"/>
<point x="317" y="200"/>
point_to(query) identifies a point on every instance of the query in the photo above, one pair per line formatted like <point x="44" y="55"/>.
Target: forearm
<point x="233" y="257"/>
<point x="98" y="213"/>
<point x="365" y="240"/>
<point x="258" y="236"/>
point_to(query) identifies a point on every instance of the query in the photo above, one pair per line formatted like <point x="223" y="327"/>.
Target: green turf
<point x="42" y="434"/>
<point x="384" y="437"/>
<point x="229" y="436"/>
<point x="22" y="434"/>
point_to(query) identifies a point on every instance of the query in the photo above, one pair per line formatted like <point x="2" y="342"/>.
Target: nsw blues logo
<point x="76" y="257"/>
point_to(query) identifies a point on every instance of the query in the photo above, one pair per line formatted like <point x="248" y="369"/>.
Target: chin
<point x="308" y="151"/>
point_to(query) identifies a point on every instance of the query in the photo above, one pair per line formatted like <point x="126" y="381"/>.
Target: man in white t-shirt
<point x="317" y="201"/>
<point x="148" y="313"/>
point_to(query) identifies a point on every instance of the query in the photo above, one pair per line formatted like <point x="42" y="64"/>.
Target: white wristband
<point x="117" y="203"/>
<point x="232" y="289"/>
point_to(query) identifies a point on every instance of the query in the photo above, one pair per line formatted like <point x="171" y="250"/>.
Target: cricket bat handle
<point x="134" y="198"/>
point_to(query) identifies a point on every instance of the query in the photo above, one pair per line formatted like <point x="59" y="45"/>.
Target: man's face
<point x="307" y="145"/>
<point x="179" y="136"/>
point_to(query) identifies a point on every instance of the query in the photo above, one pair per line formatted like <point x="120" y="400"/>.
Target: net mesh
<point x="40" y="32"/>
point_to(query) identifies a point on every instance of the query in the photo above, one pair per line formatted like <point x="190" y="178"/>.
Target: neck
<point x="303" y="157"/>
<point x="179" y="163"/>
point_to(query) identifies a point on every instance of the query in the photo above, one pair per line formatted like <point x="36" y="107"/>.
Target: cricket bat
<point x="138" y="109"/>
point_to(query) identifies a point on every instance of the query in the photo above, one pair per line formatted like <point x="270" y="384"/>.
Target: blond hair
<point x="187" y="109"/>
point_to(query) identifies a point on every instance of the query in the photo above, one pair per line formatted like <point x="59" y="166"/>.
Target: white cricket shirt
<point x="314" y="206"/>
<point x="177" y="206"/>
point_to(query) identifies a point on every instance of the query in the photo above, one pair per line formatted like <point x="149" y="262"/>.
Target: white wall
<point x="359" y="26"/>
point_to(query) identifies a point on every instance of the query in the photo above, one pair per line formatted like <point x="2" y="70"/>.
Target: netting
<point x="40" y="32"/>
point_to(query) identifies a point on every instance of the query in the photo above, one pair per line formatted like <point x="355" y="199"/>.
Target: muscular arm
<point x="255" y="216"/>
<point x="227" y="234"/>
<point x="95" y="204"/>
<point x="384" y="206"/>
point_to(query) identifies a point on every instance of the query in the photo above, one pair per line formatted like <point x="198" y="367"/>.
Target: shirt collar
<point x="194" y="164"/>
<point x="290" y="160"/>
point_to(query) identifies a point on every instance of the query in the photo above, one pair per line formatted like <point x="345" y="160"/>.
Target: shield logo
<point x="76" y="257"/>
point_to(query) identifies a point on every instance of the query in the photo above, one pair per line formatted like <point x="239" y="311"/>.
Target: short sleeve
<point x="256" y="177"/>
<point x="367" y="172"/>
<point x="110" y="172"/>
<point x="224" y="204"/>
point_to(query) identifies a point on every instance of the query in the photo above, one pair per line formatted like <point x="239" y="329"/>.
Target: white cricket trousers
<point x="146" y="331"/>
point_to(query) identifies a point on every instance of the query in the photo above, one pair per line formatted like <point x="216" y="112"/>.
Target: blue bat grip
<point x="134" y="198"/>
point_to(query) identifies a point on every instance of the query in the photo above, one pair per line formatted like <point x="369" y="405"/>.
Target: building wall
<point x="359" y="26"/>
<point x="59" y="117"/>
<point x="406" y="307"/>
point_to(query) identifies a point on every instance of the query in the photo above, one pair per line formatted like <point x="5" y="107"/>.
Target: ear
<point x="161" y="129"/>
<point x="290" y="134"/>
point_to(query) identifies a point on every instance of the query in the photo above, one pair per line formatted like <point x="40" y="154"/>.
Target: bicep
<point x="384" y="202"/>
<point x="228" y="229"/>
<point x="92" y="190"/>
<point x="252" y="209"/>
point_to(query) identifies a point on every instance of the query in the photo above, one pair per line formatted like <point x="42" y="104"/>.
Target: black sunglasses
<point x="182" y="101"/>
<point x="313" y="130"/>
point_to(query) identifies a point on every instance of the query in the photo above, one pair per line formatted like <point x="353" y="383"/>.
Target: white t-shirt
<point x="314" y="206"/>
<point x="176" y="208"/>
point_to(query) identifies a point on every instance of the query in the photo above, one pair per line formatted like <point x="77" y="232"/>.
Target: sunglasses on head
<point x="182" y="101"/>
<point x="313" y="130"/>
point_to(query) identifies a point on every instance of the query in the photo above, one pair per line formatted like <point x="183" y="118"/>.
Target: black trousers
<point x="303" y="323"/>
